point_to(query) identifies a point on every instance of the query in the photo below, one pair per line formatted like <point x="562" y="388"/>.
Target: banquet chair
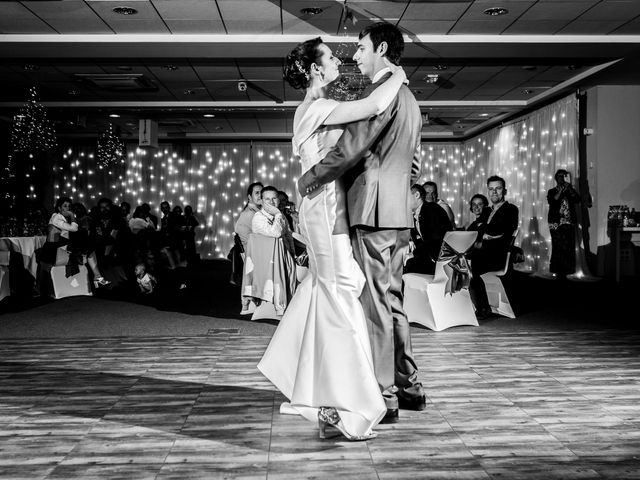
<point x="269" y="276"/>
<point x="427" y="300"/>
<point x="5" y="289"/>
<point x="498" y="300"/>
<point x="61" y="286"/>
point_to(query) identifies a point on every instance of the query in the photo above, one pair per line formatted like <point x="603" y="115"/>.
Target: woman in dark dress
<point x="479" y="206"/>
<point x="562" y="200"/>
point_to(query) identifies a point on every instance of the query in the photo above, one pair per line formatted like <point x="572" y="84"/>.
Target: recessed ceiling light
<point x="311" y="11"/>
<point x="529" y="67"/>
<point x="440" y="67"/>
<point x="30" y="67"/>
<point x="527" y="91"/>
<point x="572" y="67"/>
<point x="496" y="11"/>
<point x="171" y="68"/>
<point x="114" y="115"/>
<point x="72" y="92"/>
<point x="218" y="127"/>
<point x="483" y="115"/>
<point x="208" y="115"/>
<point x="125" y="10"/>
<point x="189" y="92"/>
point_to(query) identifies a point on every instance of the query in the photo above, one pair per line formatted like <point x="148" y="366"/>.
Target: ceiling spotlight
<point x="30" y="67"/>
<point x="572" y="67"/>
<point x="170" y="68"/>
<point x="483" y="115"/>
<point x="217" y="127"/>
<point x="311" y="11"/>
<point x="440" y="67"/>
<point x="189" y="92"/>
<point x="208" y="115"/>
<point x="496" y="11"/>
<point x="417" y="92"/>
<point x="125" y="10"/>
<point x="432" y="78"/>
<point x="527" y="91"/>
<point x="114" y="115"/>
<point x="72" y="92"/>
<point x="530" y="68"/>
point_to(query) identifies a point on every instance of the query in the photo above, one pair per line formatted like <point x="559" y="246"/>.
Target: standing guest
<point x="191" y="223"/>
<point x="270" y="221"/>
<point x="242" y="227"/>
<point x="431" y="224"/>
<point x="431" y="189"/>
<point x="491" y="252"/>
<point x="562" y="201"/>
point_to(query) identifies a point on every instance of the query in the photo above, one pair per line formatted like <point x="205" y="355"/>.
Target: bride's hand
<point x="396" y="69"/>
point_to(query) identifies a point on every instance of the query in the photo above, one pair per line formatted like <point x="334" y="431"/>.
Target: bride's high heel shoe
<point x="101" y="282"/>
<point x="331" y="426"/>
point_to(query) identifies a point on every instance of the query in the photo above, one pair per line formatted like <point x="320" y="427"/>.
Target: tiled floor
<point x="502" y="405"/>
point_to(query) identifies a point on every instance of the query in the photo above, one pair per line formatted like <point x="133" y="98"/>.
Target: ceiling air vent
<point x="118" y="81"/>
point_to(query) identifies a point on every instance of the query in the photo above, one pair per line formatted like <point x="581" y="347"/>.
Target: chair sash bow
<point x="456" y="267"/>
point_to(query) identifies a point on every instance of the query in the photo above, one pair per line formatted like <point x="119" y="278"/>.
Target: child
<point x="146" y="281"/>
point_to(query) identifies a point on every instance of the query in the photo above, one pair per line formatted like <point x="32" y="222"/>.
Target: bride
<point x="320" y="356"/>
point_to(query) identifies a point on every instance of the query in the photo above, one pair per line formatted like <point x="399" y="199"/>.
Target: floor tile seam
<point x="273" y="414"/>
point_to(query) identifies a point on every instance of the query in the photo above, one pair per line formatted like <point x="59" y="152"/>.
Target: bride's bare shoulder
<point x="300" y="112"/>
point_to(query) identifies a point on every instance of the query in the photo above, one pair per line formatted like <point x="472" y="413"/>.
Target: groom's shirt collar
<point x="380" y="74"/>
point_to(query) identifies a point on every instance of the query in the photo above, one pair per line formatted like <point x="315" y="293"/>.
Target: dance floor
<point x="541" y="396"/>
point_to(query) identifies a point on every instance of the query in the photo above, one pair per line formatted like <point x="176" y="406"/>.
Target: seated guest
<point x="288" y="209"/>
<point x="146" y="214"/>
<point x="479" y="206"/>
<point x="64" y="231"/>
<point x="242" y="227"/>
<point x="431" y="190"/>
<point x="431" y="223"/>
<point x="491" y="253"/>
<point x="125" y="207"/>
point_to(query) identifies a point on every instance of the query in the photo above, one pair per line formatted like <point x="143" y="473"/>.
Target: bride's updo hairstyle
<point x="297" y="68"/>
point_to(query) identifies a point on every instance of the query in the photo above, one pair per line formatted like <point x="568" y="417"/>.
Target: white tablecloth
<point x="25" y="246"/>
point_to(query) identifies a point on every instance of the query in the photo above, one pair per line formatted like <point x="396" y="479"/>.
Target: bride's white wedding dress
<point x="320" y="355"/>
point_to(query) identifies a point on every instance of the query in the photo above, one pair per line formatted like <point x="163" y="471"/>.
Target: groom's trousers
<point x="379" y="252"/>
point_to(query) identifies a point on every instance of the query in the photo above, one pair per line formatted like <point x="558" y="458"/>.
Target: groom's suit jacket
<point x="378" y="160"/>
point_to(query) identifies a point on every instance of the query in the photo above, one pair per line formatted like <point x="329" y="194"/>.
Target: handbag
<point x="237" y="264"/>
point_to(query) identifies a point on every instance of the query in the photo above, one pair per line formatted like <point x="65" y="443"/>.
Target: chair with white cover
<point x="498" y="300"/>
<point x="5" y="289"/>
<point x="437" y="301"/>
<point x="269" y="276"/>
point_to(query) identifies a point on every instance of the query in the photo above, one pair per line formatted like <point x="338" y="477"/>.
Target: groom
<point x="376" y="161"/>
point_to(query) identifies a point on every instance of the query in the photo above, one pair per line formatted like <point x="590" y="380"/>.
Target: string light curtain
<point x="213" y="178"/>
<point x="526" y="153"/>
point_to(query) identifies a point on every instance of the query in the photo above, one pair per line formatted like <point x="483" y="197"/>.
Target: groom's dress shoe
<point x="412" y="403"/>
<point x="391" y="416"/>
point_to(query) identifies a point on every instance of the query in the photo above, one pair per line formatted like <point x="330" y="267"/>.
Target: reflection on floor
<point x="502" y="404"/>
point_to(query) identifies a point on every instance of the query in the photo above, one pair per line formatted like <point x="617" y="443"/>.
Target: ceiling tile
<point x="631" y="28"/>
<point x="613" y="10"/>
<point x="580" y="27"/>
<point x="70" y="16"/>
<point x="515" y="7"/>
<point x="490" y="26"/>
<point x="536" y="27"/>
<point x="146" y="20"/>
<point x="380" y="9"/>
<point x="209" y="73"/>
<point x="250" y="16"/>
<point x="557" y="10"/>
<point x="187" y="9"/>
<point x="272" y="124"/>
<point x="436" y="10"/>
<point x="16" y="18"/>
<point x="214" y="27"/>
<point x="426" y="27"/>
